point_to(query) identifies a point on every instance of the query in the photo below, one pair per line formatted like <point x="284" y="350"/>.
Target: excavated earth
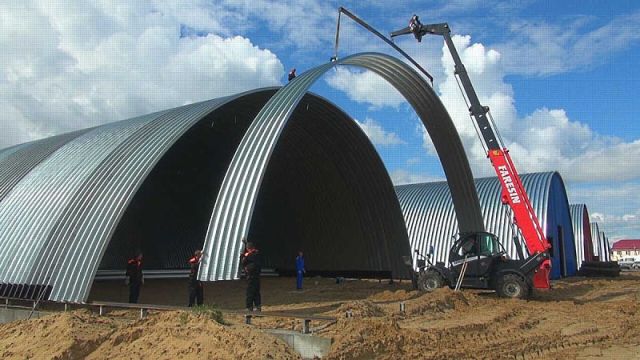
<point x="581" y="318"/>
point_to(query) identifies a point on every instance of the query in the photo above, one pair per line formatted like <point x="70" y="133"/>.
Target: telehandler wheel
<point x="430" y="280"/>
<point x="512" y="286"/>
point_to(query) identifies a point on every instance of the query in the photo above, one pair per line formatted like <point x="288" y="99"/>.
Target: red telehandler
<point x="477" y="260"/>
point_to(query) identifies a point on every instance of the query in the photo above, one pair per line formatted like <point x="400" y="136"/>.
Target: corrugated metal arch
<point x="234" y="207"/>
<point x="17" y="161"/>
<point x="596" y="240"/>
<point x="58" y="220"/>
<point x="582" y="233"/>
<point x="63" y="211"/>
<point x="428" y="214"/>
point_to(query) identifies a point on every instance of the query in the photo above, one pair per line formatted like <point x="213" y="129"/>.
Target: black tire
<point x="430" y="280"/>
<point x="512" y="286"/>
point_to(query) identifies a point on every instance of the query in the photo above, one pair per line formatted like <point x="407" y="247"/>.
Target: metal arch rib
<point x="581" y="231"/>
<point x="236" y="199"/>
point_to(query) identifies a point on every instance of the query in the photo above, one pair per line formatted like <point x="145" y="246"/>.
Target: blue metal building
<point x="431" y="220"/>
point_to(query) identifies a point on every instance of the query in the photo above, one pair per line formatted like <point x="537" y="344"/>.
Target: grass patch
<point x="209" y="311"/>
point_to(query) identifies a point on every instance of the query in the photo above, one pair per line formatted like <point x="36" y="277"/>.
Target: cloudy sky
<point x="560" y="77"/>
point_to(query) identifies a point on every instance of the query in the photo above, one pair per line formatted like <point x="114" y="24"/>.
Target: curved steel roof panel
<point x="58" y="219"/>
<point x="82" y="236"/>
<point x="428" y="214"/>
<point x="4" y="152"/>
<point x="29" y="211"/>
<point x="19" y="160"/>
<point x="582" y="233"/>
<point x="234" y="206"/>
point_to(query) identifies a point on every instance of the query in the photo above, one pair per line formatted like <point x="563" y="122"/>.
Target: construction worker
<point x="251" y="264"/>
<point x="292" y="74"/>
<point x="196" y="293"/>
<point x="300" y="270"/>
<point x="134" y="277"/>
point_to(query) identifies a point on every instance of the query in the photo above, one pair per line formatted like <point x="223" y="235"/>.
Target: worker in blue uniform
<point x="300" y="270"/>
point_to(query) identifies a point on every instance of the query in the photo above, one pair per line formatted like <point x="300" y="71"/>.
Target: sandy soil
<point x="81" y="334"/>
<point x="579" y="319"/>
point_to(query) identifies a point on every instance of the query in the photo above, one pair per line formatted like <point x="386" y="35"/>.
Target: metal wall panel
<point x="234" y="207"/>
<point x="430" y="221"/>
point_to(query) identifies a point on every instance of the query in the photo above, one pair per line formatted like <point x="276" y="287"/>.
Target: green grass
<point x="209" y="311"/>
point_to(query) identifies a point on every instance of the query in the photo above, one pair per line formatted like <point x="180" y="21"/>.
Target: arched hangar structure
<point x="582" y="233"/>
<point x="431" y="219"/>
<point x="296" y="173"/>
<point x="236" y="199"/>
<point x="601" y="248"/>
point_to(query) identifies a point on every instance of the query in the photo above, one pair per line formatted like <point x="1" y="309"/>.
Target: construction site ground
<point x="580" y="318"/>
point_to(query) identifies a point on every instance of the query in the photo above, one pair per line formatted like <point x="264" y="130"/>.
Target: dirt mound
<point x="69" y="335"/>
<point x="171" y="335"/>
<point x="398" y="295"/>
<point x="184" y="335"/>
<point x="377" y="338"/>
<point x="359" y="309"/>
<point x="440" y="301"/>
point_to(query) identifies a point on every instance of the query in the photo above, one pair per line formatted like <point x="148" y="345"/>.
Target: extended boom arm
<point x="513" y="192"/>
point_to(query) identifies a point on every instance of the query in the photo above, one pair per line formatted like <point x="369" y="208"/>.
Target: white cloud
<point x="68" y="66"/>
<point x="403" y="176"/>
<point x="365" y="87"/>
<point x="618" y="227"/>
<point x="545" y="140"/>
<point x="378" y="135"/>
<point x="615" y="208"/>
<point x="572" y="44"/>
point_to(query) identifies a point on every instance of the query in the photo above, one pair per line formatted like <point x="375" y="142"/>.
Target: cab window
<point x="468" y="247"/>
<point x="488" y="244"/>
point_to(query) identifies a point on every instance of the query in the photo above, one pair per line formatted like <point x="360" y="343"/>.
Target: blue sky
<point x="560" y="77"/>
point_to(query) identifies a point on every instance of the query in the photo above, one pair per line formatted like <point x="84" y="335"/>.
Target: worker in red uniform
<point x="196" y="293"/>
<point x="251" y="264"/>
<point x="134" y="277"/>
